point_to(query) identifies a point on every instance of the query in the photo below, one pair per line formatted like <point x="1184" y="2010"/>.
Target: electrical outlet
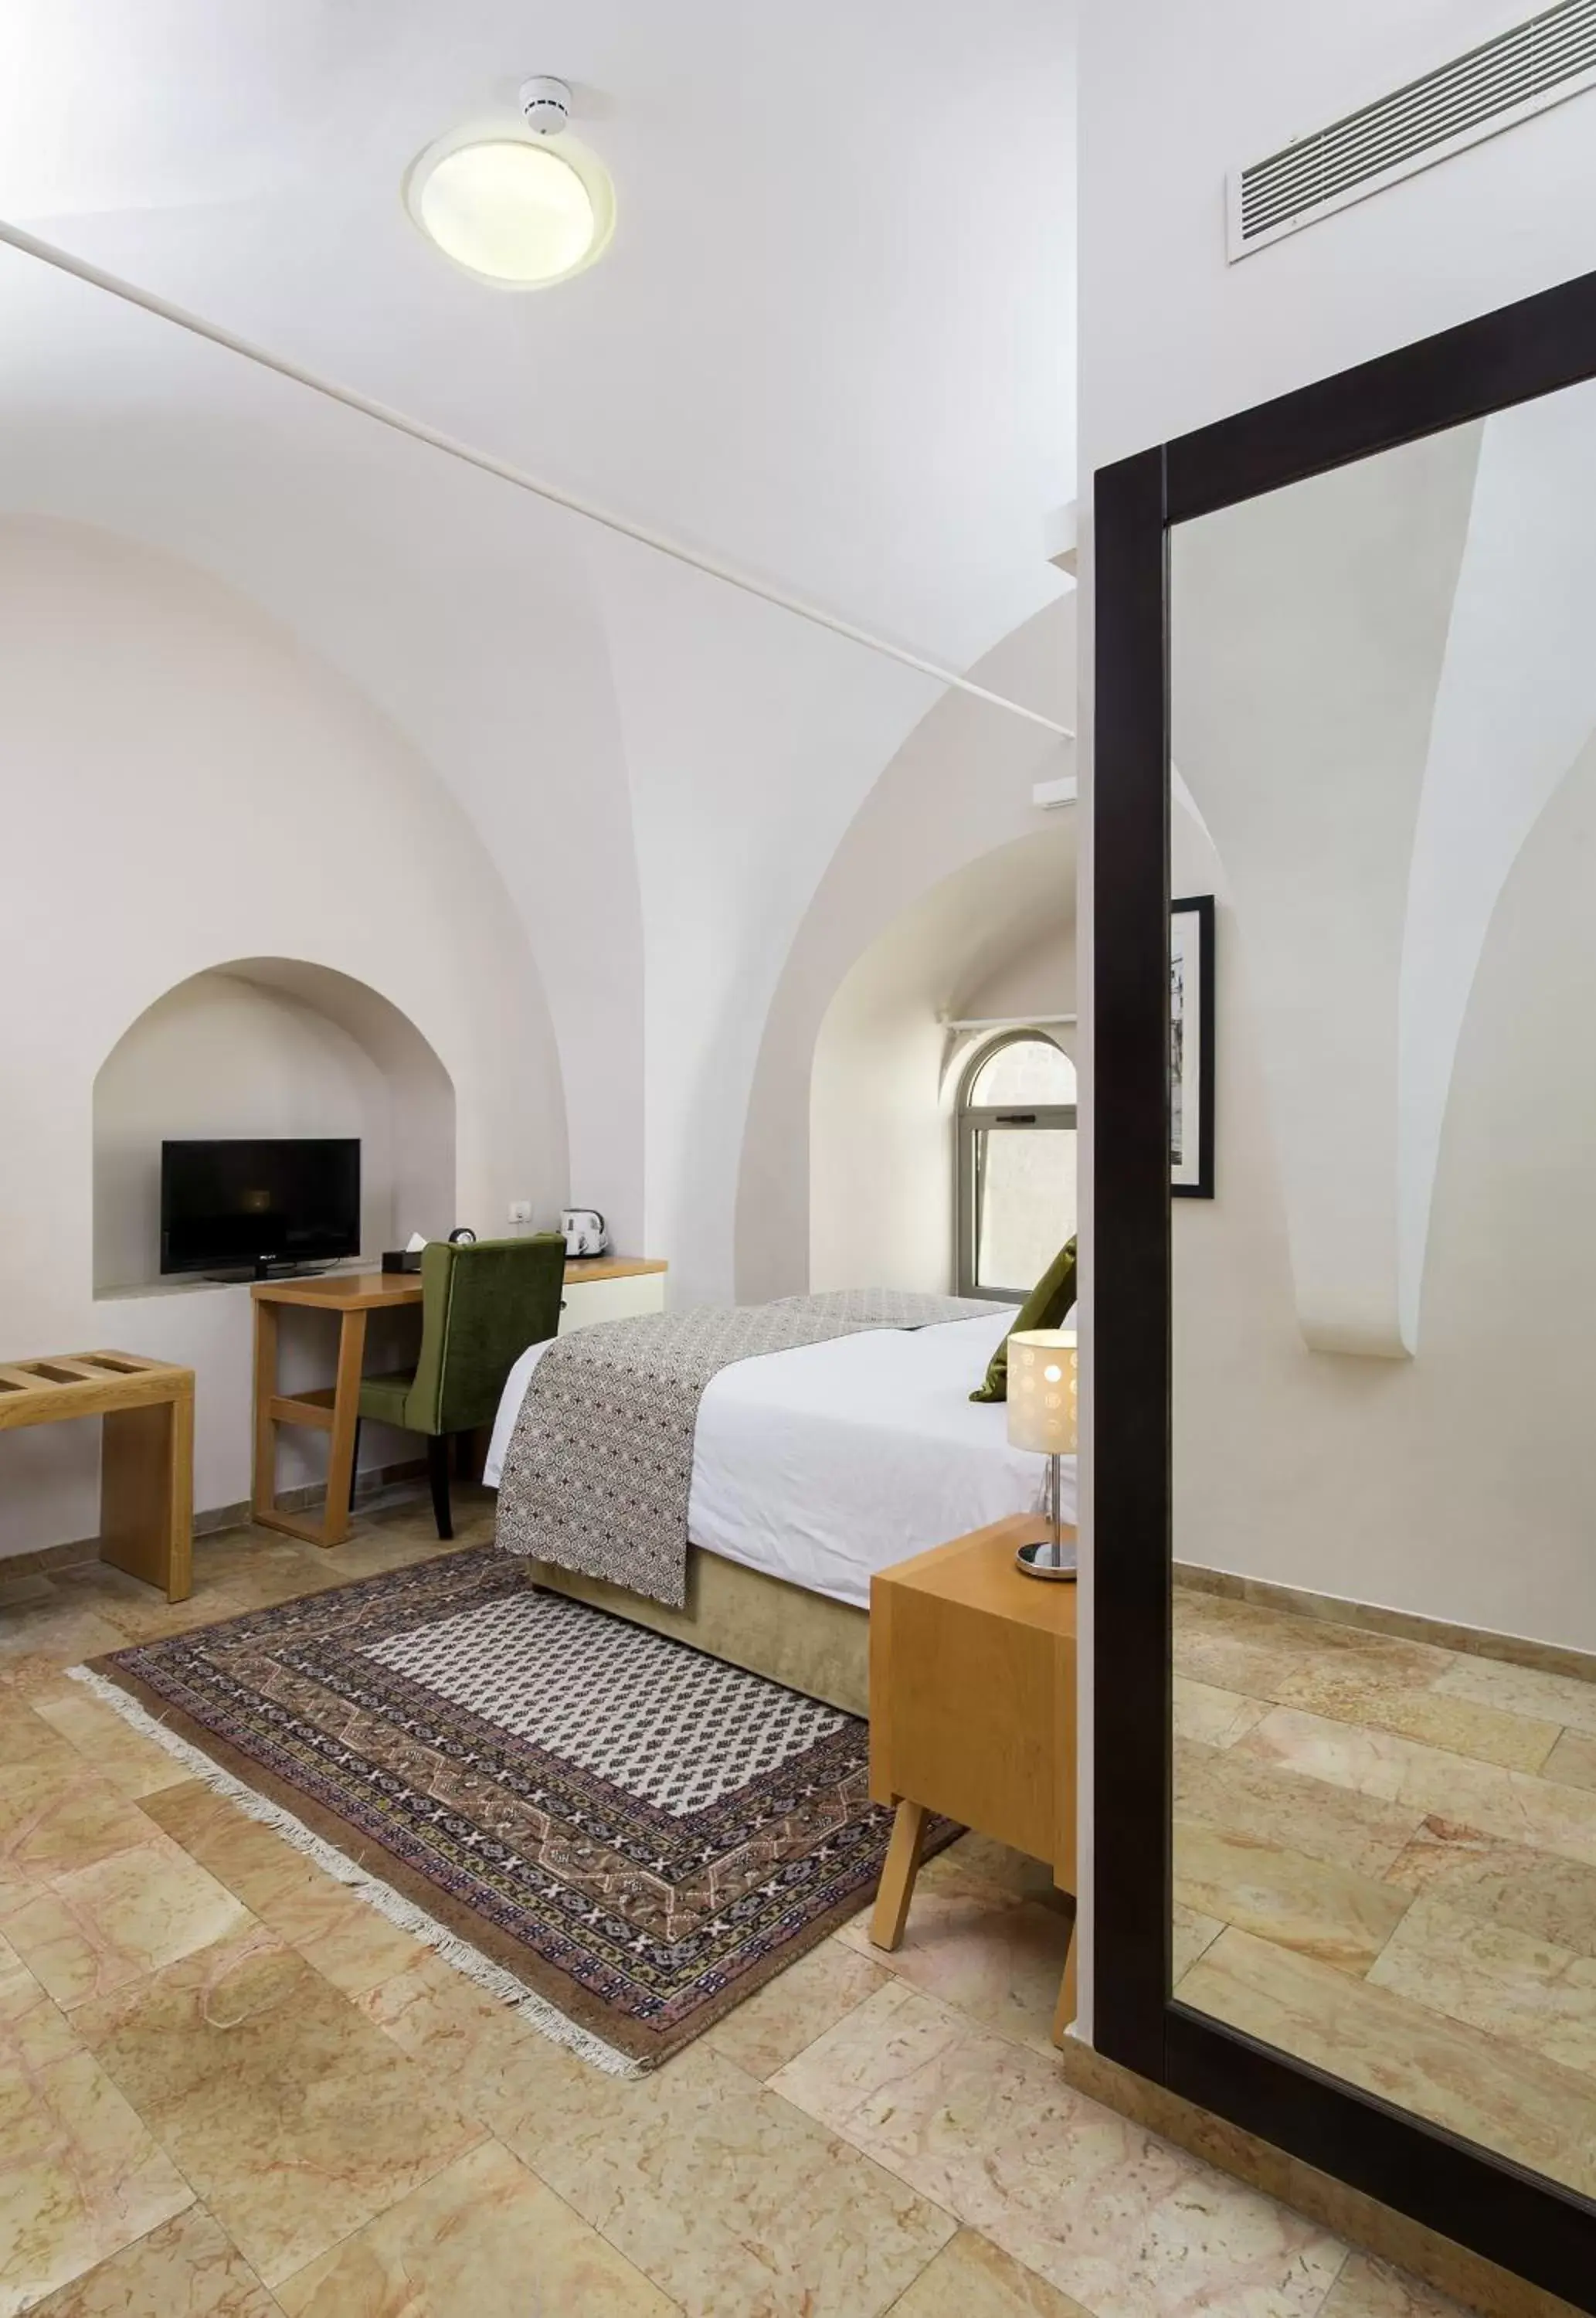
<point x="520" y="1211"/>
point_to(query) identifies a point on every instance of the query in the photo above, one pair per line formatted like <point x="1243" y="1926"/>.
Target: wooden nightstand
<point x="972" y="1712"/>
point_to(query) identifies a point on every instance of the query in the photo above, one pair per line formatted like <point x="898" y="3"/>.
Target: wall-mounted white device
<point x="545" y="106"/>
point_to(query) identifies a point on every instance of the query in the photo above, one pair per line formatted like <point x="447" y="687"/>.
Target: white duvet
<point x="826" y="1463"/>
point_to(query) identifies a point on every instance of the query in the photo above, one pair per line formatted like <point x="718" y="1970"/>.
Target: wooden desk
<point x="334" y="1409"/>
<point x="147" y="1450"/>
<point x="972" y="1712"/>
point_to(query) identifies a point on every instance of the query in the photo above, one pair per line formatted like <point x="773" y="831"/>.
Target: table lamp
<point x="1042" y="1388"/>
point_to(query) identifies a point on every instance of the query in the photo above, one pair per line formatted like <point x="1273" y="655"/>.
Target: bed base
<point x="806" y="1641"/>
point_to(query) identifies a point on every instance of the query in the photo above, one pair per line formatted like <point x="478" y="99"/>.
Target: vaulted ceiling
<point x="833" y="341"/>
<point x="832" y="345"/>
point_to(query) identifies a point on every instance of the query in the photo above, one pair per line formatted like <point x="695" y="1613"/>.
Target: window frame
<point x="971" y="1122"/>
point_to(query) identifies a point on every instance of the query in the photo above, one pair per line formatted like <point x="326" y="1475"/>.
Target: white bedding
<point x="823" y="1464"/>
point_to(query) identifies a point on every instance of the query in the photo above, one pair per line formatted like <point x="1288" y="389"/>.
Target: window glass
<point x="1026" y="1207"/>
<point x="1024" y="1071"/>
<point x="1016" y="1166"/>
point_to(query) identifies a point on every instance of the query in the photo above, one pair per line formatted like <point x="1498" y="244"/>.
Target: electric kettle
<point x="586" y="1232"/>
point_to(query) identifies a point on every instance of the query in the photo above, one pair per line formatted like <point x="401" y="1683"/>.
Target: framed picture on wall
<point x="1191" y="1048"/>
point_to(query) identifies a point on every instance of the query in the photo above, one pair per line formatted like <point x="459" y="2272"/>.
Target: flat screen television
<point x="255" y="1203"/>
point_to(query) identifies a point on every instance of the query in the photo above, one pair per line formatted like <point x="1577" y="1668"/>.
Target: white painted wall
<point x="1170" y="338"/>
<point x="752" y="740"/>
<point x="1515" y="704"/>
<point x="881" y="1137"/>
<point x="1308" y="632"/>
<point x="188" y="786"/>
<point x="1038" y="979"/>
<point x="1457" y="1484"/>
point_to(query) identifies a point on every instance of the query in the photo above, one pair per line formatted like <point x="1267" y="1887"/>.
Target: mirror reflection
<point x="1384" y="743"/>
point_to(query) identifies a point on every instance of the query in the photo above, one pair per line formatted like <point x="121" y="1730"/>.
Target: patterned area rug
<point x="621" y="1835"/>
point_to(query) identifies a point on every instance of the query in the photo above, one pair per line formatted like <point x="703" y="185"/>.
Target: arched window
<point x="1015" y="1164"/>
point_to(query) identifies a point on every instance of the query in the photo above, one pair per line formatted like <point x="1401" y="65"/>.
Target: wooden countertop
<point x="377" y="1291"/>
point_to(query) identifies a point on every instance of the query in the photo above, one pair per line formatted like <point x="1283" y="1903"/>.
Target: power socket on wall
<point x="520" y="1211"/>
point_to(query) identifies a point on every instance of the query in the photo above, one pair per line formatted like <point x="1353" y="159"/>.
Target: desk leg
<point x="262" y="1478"/>
<point x="147" y="1493"/>
<point x="181" y="1500"/>
<point x="897" y="1876"/>
<point x="340" y="1471"/>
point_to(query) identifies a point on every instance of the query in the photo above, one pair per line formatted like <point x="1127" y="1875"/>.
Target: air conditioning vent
<point x="1521" y="72"/>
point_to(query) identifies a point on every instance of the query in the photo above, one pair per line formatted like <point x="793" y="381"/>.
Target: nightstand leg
<point x="897" y="1877"/>
<point x="1065" y="2009"/>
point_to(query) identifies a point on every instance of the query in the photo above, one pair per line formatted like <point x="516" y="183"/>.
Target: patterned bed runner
<point x="599" y="1469"/>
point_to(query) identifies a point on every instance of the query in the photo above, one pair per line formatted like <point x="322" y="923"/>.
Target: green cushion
<point x="1045" y="1306"/>
<point x="383" y="1397"/>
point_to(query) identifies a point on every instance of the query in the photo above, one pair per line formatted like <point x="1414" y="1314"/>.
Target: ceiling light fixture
<point x="519" y="206"/>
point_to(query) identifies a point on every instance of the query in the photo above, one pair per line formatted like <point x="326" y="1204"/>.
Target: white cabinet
<point x="594" y="1292"/>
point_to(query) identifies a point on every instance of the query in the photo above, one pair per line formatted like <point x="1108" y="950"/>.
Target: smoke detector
<point x="545" y="106"/>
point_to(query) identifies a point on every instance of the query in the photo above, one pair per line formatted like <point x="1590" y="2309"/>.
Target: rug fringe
<point x="537" y="2011"/>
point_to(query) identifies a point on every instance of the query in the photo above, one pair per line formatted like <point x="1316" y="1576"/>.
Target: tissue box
<point x="401" y="1259"/>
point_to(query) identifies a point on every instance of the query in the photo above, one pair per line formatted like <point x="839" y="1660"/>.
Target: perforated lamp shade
<point x="1044" y="1381"/>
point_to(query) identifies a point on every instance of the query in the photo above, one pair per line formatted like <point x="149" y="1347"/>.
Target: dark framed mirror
<point x="1344" y="1575"/>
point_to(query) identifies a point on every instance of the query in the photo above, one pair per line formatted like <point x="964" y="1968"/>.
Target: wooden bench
<point x="146" y="1455"/>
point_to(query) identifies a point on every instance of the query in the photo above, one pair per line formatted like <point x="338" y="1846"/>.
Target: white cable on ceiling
<point x="97" y="278"/>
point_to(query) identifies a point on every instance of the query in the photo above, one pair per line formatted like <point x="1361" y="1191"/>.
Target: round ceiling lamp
<point x="520" y="206"/>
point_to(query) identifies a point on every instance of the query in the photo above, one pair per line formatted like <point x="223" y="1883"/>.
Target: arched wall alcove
<point x="993" y="943"/>
<point x="269" y="1046"/>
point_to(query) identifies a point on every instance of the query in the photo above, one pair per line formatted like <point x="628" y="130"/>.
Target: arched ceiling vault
<point x="832" y="345"/>
<point x="832" y="340"/>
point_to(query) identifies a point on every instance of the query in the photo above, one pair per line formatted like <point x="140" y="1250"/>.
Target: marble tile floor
<point x="230" y="2091"/>
<point x="1385" y="1864"/>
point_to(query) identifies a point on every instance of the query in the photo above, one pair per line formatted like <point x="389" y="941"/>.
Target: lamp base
<point x="1044" y="1559"/>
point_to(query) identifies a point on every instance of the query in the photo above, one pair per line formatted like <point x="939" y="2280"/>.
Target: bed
<point x="813" y="1468"/>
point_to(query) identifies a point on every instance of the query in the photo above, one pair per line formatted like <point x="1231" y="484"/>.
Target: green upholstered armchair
<point x="482" y="1303"/>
